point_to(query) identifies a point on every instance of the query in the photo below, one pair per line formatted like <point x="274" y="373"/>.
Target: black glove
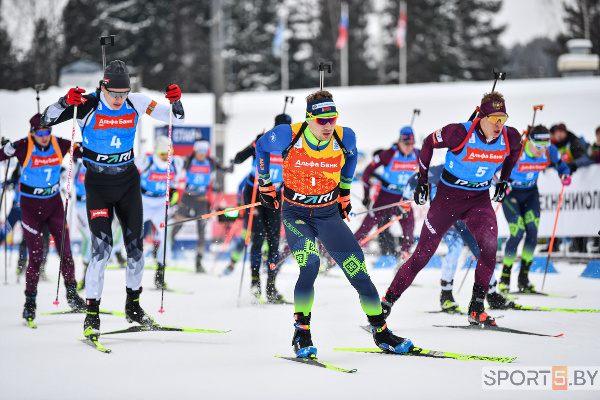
<point x="4" y="141"/>
<point x="502" y="188"/>
<point x="421" y="191"/>
<point x="268" y="194"/>
<point x="366" y="201"/>
<point x="344" y="206"/>
<point x="572" y="166"/>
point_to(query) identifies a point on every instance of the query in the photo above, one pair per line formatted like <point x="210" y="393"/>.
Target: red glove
<point x="74" y="98"/>
<point x="344" y="206"/>
<point x="173" y="93"/>
<point x="268" y="194"/>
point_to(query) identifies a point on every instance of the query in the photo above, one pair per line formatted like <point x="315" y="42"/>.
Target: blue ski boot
<point x="385" y="339"/>
<point x="302" y="341"/>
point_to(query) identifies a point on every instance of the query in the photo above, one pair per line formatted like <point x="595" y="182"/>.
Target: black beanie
<point x="283" y="119"/>
<point x="116" y="75"/>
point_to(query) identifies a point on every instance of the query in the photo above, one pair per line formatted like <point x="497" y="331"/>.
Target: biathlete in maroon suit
<point x="476" y="151"/>
<point x="40" y="155"/>
<point x="399" y="163"/>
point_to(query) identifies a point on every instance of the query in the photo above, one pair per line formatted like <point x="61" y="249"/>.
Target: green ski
<point x="157" y="327"/>
<point x="419" y="352"/>
<point x="31" y="324"/>
<point x="118" y="313"/>
<point x="317" y="363"/>
<point x="93" y="342"/>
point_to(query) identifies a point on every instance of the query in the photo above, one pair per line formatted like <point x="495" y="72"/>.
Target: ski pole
<point x="416" y="111"/>
<point x="535" y="108"/>
<point x="230" y="234"/>
<point x="403" y="204"/>
<point x="214" y="214"/>
<point x="553" y="233"/>
<point x="248" y="230"/>
<point x="5" y="224"/>
<point x="466" y="273"/>
<point x="64" y="228"/>
<point x="378" y="231"/>
<point x="167" y="198"/>
<point x="105" y="41"/>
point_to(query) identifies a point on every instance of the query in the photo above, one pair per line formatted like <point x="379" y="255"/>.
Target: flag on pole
<point x="342" y="30"/>
<point x="278" y="40"/>
<point x="401" y="30"/>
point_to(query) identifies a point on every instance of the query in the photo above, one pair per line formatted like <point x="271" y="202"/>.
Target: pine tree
<point x="8" y="63"/>
<point x="576" y="23"/>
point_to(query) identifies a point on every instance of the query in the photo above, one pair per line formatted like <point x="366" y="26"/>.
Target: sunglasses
<point x="540" y="146"/>
<point x="324" y="120"/>
<point x="118" y="95"/>
<point x="44" y="132"/>
<point x="495" y="118"/>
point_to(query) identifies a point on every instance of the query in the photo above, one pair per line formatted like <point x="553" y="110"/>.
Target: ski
<point x="93" y="342"/>
<point x="419" y="352"/>
<point x="570" y="310"/>
<point x="495" y="329"/>
<point x="452" y="312"/>
<point x="317" y="363"/>
<point x="118" y="313"/>
<point x="158" y="327"/>
<point x="536" y="293"/>
<point x="30" y="323"/>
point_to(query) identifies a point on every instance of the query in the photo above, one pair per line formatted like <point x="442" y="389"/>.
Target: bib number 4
<point x="116" y="142"/>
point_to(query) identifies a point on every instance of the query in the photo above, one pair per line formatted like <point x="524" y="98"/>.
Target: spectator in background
<point x="594" y="149"/>
<point x="571" y="148"/>
<point x="573" y="152"/>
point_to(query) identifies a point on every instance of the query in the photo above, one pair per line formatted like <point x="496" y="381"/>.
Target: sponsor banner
<point x="580" y="209"/>
<point x="476" y="155"/>
<point x="184" y="137"/>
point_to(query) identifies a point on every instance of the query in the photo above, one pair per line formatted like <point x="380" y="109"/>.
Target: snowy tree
<point x="583" y="22"/>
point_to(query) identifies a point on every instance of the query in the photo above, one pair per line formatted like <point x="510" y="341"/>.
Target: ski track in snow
<point x="51" y="363"/>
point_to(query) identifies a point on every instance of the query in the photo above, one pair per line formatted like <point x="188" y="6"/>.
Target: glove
<point x="174" y="197"/>
<point x="366" y="201"/>
<point x="404" y="209"/>
<point x="572" y="166"/>
<point x="268" y="194"/>
<point x="421" y="191"/>
<point x="565" y="179"/>
<point x="502" y="188"/>
<point x="4" y="141"/>
<point x="344" y="206"/>
<point x="9" y="149"/>
<point x="173" y="93"/>
<point x="73" y="97"/>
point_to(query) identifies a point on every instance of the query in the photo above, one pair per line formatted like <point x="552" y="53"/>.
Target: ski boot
<point x="81" y="283"/>
<point x="133" y="310"/>
<point x="447" y="301"/>
<point x="523" y="281"/>
<point x="499" y="301"/>
<point x="91" y="324"/>
<point x="21" y="266"/>
<point x="504" y="285"/>
<point x="385" y="339"/>
<point x="387" y="302"/>
<point x="477" y="314"/>
<point x="229" y="268"/>
<point x="302" y="341"/>
<point x="75" y="302"/>
<point x="273" y="296"/>
<point x="159" y="278"/>
<point x="30" y="306"/>
<point x="199" y="268"/>
<point x="255" y="286"/>
<point x="122" y="261"/>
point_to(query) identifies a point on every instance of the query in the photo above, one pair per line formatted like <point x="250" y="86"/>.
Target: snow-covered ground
<point x="50" y="362"/>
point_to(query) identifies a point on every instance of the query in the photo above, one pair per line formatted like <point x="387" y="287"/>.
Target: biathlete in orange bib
<point x="319" y="162"/>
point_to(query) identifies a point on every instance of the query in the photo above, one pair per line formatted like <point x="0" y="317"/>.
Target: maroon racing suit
<point x="451" y="204"/>
<point x="37" y="211"/>
<point x="389" y="193"/>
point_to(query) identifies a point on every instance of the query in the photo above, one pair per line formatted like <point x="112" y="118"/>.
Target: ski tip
<point x="561" y="335"/>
